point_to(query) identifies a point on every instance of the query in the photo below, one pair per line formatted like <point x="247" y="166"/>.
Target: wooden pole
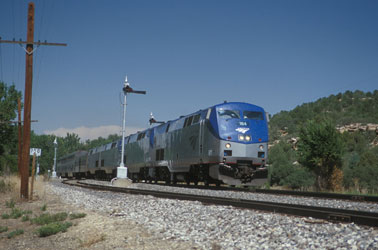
<point x="19" y="137"/>
<point x="27" y="104"/>
<point x="24" y="156"/>
<point x="32" y="178"/>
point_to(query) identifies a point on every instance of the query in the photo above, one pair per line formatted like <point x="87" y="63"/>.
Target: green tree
<point x="101" y="141"/>
<point x="46" y="144"/>
<point x="361" y="171"/>
<point x="320" y="149"/>
<point x="66" y="145"/>
<point x="368" y="170"/>
<point x="284" y="170"/>
<point x="8" y="131"/>
<point x="69" y="144"/>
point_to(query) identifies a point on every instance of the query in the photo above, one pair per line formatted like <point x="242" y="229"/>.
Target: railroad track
<point x="329" y="214"/>
<point x="350" y="197"/>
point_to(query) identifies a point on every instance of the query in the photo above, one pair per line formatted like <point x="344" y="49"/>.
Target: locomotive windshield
<point x="253" y="115"/>
<point x="228" y="114"/>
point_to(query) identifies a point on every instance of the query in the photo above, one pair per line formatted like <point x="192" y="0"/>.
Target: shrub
<point x="3" y="229"/>
<point x="44" y="207"/>
<point x="44" y="219"/>
<point x="10" y="204"/>
<point x="281" y="158"/>
<point x="5" y="186"/>
<point x="320" y="149"/>
<point x="27" y="212"/>
<point x="361" y="171"/>
<point x="16" y="213"/>
<point x="53" y="228"/>
<point x="5" y="216"/>
<point x="15" y="233"/>
<point x="25" y="218"/>
<point x="299" y="178"/>
<point x="77" y="216"/>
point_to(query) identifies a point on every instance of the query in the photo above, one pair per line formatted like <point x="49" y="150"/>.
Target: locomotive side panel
<point x="93" y="158"/>
<point x="135" y="153"/>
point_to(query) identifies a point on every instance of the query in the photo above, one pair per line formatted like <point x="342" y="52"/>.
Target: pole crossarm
<point x="35" y="43"/>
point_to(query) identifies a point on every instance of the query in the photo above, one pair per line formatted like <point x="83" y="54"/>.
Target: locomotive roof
<point x="240" y="105"/>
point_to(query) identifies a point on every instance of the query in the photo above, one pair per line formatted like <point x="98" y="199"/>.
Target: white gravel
<point x="222" y="227"/>
<point x="340" y="204"/>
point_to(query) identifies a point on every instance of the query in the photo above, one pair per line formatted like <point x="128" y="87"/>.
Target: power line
<point x="1" y="66"/>
<point x="14" y="35"/>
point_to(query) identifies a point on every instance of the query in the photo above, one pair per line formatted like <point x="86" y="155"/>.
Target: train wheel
<point x="187" y="179"/>
<point x="133" y="178"/>
<point x="174" y="179"/>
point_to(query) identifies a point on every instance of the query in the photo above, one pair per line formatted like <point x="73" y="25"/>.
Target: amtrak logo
<point x="242" y="130"/>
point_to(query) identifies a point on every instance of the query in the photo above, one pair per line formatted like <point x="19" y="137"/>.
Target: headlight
<point x="261" y="147"/>
<point x="228" y="145"/>
<point x="241" y="137"/>
<point x="248" y="138"/>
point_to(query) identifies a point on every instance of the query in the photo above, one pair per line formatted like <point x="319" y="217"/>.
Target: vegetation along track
<point x="331" y="214"/>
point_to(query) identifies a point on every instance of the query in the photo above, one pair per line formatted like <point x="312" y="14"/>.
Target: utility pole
<point x="19" y="161"/>
<point x="24" y="171"/>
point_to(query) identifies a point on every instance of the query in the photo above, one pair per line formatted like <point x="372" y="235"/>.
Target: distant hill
<point x="342" y="109"/>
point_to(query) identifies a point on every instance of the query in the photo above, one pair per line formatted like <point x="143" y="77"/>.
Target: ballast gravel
<point x="220" y="227"/>
<point x="329" y="203"/>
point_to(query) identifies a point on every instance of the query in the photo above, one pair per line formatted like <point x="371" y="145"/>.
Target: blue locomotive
<point x="226" y="143"/>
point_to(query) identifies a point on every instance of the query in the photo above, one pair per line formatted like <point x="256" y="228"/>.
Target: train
<point x="224" y="144"/>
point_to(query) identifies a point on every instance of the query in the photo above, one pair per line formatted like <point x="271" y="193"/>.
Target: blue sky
<point x="187" y="55"/>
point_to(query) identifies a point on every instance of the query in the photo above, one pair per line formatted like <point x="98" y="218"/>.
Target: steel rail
<point x="323" y="195"/>
<point x="351" y="197"/>
<point x="329" y="214"/>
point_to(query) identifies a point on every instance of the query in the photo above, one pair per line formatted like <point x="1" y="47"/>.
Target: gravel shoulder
<point x="222" y="227"/>
<point x="122" y="221"/>
<point x="98" y="230"/>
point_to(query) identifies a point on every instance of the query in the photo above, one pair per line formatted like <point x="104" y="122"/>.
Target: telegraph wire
<point x="44" y="28"/>
<point x="39" y="55"/>
<point x="1" y="66"/>
<point x="18" y="56"/>
<point x="13" y="47"/>
<point x="41" y="20"/>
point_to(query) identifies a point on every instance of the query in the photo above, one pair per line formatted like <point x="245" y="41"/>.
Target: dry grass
<point x="11" y="186"/>
<point x="93" y="240"/>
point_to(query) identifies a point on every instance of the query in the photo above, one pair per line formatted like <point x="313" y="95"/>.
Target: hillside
<point x="354" y="115"/>
<point x="342" y="109"/>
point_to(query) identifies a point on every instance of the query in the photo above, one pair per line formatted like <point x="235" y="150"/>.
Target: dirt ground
<point x="95" y="231"/>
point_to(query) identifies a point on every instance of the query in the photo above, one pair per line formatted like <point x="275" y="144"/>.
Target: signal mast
<point x="122" y="169"/>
